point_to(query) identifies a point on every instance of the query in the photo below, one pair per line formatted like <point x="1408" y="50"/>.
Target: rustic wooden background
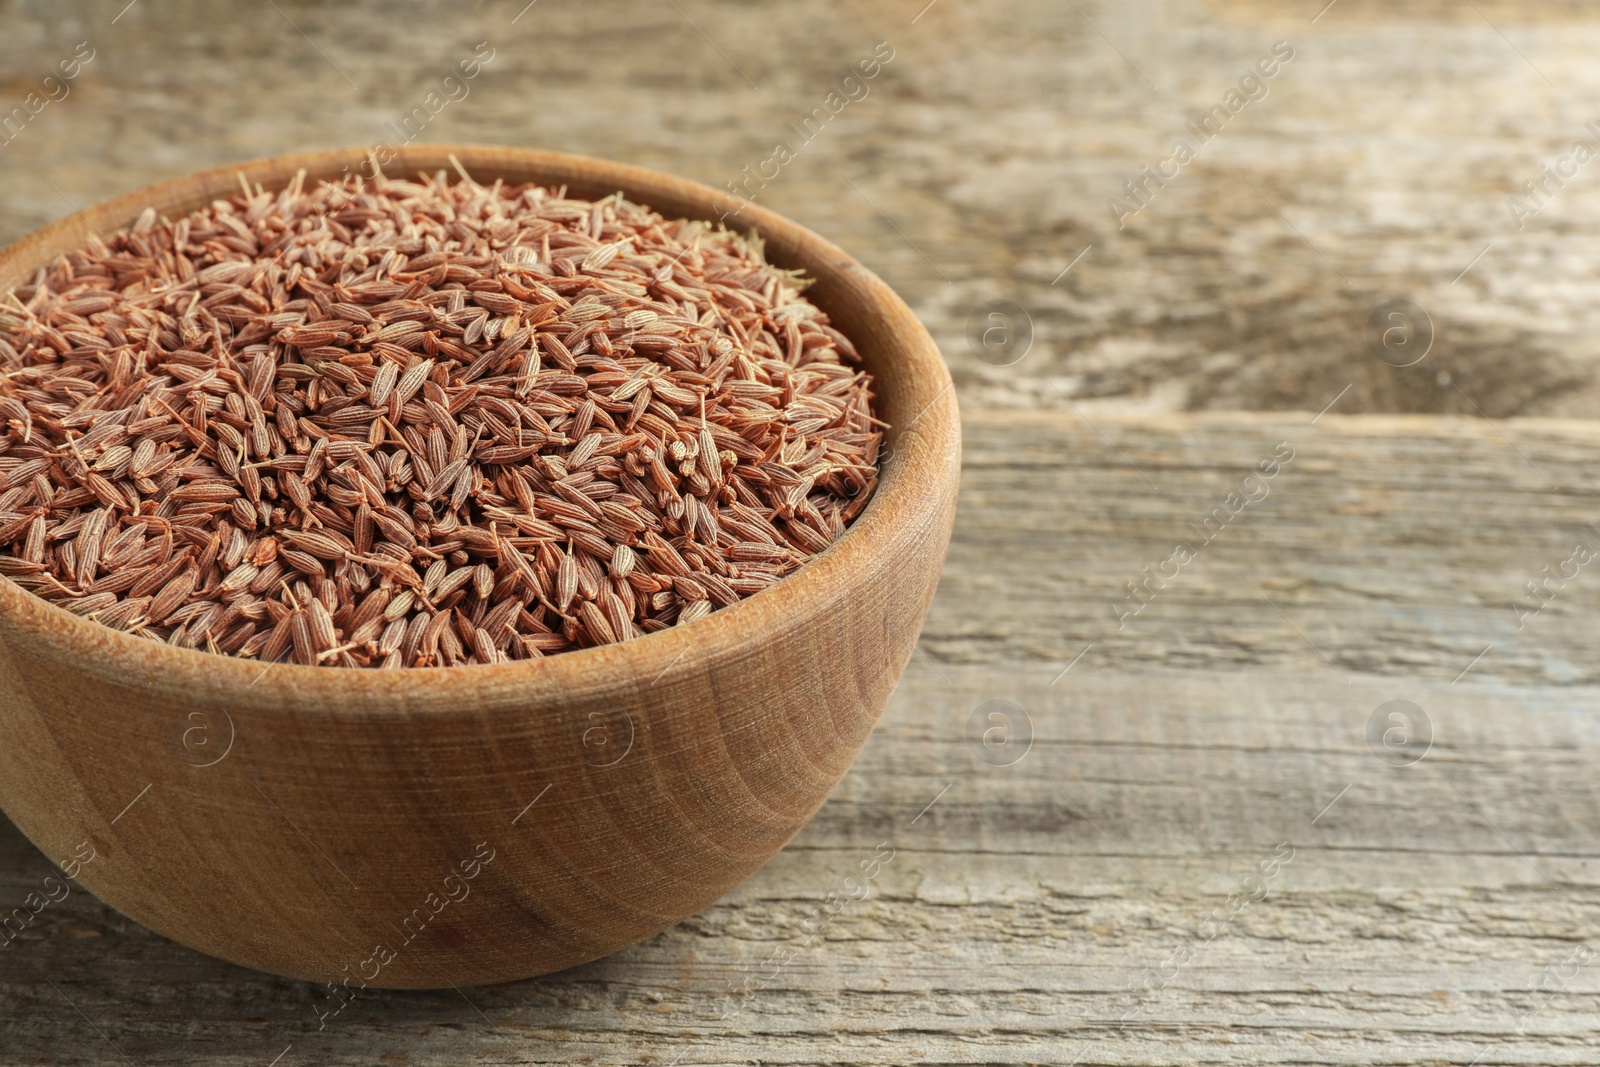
<point x="1082" y="893"/>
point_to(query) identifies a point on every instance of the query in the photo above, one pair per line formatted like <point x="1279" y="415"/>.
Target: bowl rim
<point x="905" y="506"/>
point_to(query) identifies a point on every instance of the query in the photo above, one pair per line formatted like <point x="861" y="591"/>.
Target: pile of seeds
<point x="416" y="423"/>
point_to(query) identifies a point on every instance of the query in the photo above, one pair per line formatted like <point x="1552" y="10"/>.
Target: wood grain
<point x="1030" y="913"/>
<point x="1407" y="929"/>
<point x="982" y="161"/>
<point x="352" y="808"/>
<point x="1397" y="545"/>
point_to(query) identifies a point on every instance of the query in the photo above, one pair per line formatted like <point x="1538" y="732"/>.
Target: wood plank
<point x="1415" y="922"/>
<point x="1389" y="545"/>
<point x="1056" y="908"/>
<point x="985" y="154"/>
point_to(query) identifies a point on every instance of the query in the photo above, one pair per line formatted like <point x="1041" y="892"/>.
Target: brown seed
<point x="431" y="453"/>
<point x="566" y="582"/>
<point x="33" y="546"/>
<point x="321" y="623"/>
<point x="205" y="492"/>
<point x="383" y="385"/>
<point x="88" y="545"/>
<point x="594" y="620"/>
<point x="305" y="651"/>
<point x="171" y="596"/>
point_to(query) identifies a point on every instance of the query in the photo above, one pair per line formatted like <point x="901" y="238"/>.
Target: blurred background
<point x="980" y="163"/>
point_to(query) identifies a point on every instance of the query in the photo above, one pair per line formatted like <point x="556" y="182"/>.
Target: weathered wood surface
<point x="1055" y="910"/>
<point x="1026" y="910"/>
<point x="978" y="165"/>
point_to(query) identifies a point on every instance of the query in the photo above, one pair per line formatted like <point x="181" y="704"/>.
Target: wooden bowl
<point x="467" y="825"/>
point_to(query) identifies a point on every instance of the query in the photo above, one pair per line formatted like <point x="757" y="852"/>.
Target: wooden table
<point x="1063" y="890"/>
<point x="1189" y="842"/>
